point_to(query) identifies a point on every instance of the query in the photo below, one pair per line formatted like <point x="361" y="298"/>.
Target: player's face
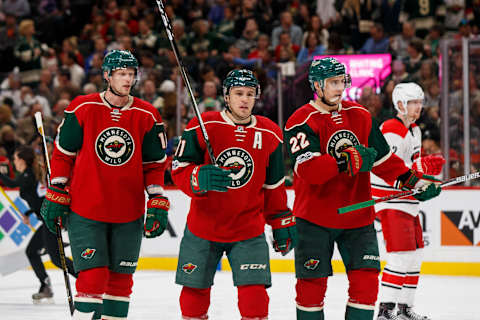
<point x="414" y="109"/>
<point x="122" y="80"/>
<point x="334" y="88"/>
<point x="241" y="101"/>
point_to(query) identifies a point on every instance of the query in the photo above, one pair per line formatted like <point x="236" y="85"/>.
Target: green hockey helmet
<point x="119" y="59"/>
<point x="327" y="68"/>
<point x="240" y="78"/>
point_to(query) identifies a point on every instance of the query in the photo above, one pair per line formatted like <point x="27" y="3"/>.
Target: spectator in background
<point x="312" y="48"/>
<point x="201" y="37"/>
<point x="148" y="92"/>
<point x="9" y="140"/>
<point x="28" y="52"/>
<point x="146" y="39"/>
<point x="287" y="26"/>
<point x="8" y="38"/>
<point x="120" y="29"/>
<point x="100" y="48"/>
<point x="70" y="44"/>
<point x="399" y="43"/>
<point x="89" y="88"/>
<point x="62" y="83"/>
<point x="6" y="116"/>
<point x="415" y="56"/>
<point x="216" y="13"/>
<point x="126" y="17"/>
<point x="249" y="37"/>
<point x="377" y="43"/>
<point x="58" y="110"/>
<point x="261" y="49"/>
<point x="45" y="86"/>
<point x="399" y="73"/>
<point x="315" y="26"/>
<point x="77" y="73"/>
<point x="426" y="74"/>
<point x="26" y="125"/>
<point x="182" y="39"/>
<point x="432" y="40"/>
<point x="198" y="9"/>
<point x="286" y="50"/>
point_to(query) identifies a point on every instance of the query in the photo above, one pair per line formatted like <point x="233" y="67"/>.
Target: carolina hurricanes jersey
<point x="110" y="155"/>
<point x="253" y="153"/>
<point x="406" y="144"/>
<point x="315" y="138"/>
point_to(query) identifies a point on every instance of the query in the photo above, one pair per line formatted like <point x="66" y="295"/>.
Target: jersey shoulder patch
<point x="301" y="116"/>
<point x="394" y="126"/>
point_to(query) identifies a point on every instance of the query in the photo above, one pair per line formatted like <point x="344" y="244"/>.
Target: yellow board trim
<point x="283" y="265"/>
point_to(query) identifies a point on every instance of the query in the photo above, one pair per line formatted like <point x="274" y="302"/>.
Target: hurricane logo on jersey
<point x="240" y="163"/>
<point x="114" y="146"/>
<point x="341" y="140"/>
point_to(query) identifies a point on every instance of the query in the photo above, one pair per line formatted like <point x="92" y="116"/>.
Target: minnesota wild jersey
<point x="315" y="139"/>
<point x="253" y="154"/>
<point x="109" y="156"/>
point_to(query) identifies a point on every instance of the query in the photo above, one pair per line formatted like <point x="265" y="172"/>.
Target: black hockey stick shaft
<point x="178" y="57"/>
<point x="403" y="194"/>
<point x="61" y="248"/>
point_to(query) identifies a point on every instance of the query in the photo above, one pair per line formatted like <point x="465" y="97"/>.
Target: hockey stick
<point x="168" y="30"/>
<point x="61" y="248"/>
<point x="407" y="193"/>
<point x="14" y="206"/>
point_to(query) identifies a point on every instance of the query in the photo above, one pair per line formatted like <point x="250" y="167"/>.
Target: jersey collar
<point x="223" y="114"/>
<point x="125" y="107"/>
<point x="322" y="109"/>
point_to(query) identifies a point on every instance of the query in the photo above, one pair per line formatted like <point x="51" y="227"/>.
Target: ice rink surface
<point x="155" y="296"/>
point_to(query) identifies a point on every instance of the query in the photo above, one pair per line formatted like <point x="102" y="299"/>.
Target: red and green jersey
<point x="314" y="139"/>
<point x="253" y="153"/>
<point x="109" y="156"/>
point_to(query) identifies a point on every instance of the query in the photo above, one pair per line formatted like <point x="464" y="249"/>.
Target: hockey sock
<point x="91" y="285"/>
<point x="253" y="301"/>
<point x="117" y="296"/>
<point x="362" y="291"/>
<point x="407" y="296"/>
<point x="310" y="296"/>
<point x="194" y="302"/>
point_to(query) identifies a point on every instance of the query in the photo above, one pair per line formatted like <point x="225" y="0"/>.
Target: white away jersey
<point x="406" y="144"/>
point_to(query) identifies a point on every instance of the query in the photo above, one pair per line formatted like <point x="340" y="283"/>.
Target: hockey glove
<point x="210" y="178"/>
<point x="356" y="159"/>
<point x="157" y="216"/>
<point x="55" y="206"/>
<point x="431" y="164"/>
<point x="284" y="232"/>
<point x="416" y="180"/>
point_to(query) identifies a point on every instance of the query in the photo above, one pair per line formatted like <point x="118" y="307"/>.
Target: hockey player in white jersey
<point x="399" y="218"/>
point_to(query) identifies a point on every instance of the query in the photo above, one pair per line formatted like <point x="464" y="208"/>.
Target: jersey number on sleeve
<point x="299" y="142"/>
<point x="180" y="148"/>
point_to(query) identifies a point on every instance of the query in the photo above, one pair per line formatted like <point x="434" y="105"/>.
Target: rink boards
<point x="451" y="228"/>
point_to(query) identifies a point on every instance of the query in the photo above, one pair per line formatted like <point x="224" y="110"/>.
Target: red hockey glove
<point x="284" y="232"/>
<point x="157" y="216"/>
<point x="431" y="164"/>
<point x="55" y="206"/>
<point x="416" y="180"/>
<point x="356" y="159"/>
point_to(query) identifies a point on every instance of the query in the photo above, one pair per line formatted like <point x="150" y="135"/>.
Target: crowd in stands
<point x="51" y="51"/>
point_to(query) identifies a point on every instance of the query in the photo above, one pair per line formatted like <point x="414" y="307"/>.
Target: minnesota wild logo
<point x="341" y="140"/>
<point x="311" y="264"/>
<point x="88" y="253"/>
<point x="240" y="163"/>
<point x="114" y="146"/>
<point x="189" y="267"/>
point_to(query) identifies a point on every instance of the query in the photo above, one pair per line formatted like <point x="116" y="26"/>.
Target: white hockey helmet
<point x="405" y="92"/>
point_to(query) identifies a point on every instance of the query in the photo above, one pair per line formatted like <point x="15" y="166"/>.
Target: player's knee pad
<point x="363" y="287"/>
<point x="194" y="302"/>
<point x="119" y="284"/>
<point x="92" y="281"/>
<point x="253" y="301"/>
<point x="311" y="293"/>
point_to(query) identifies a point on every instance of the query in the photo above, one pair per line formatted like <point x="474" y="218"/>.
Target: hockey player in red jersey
<point x="109" y="148"/>
<point x="334" y="145"/>
<point x="231" y="201"/>
<point x="400" y="222"/>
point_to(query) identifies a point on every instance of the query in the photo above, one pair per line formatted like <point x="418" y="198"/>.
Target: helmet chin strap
<point x="235" y="116"/>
